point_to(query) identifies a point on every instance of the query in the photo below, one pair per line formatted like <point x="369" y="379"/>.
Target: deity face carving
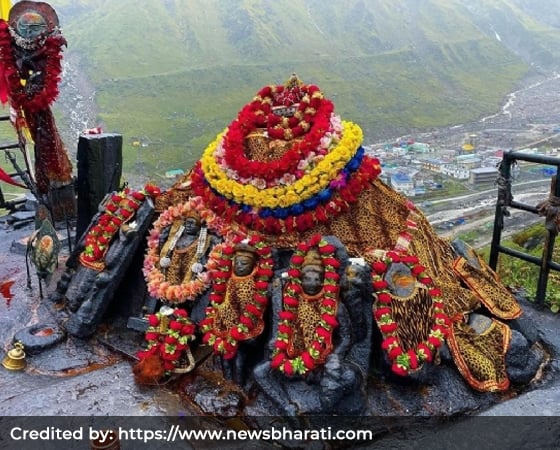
<point x="243" y="264"/>
<point x="312" y="279"/>
<point x="30" y="25"/>
<point x="192" y="226"/>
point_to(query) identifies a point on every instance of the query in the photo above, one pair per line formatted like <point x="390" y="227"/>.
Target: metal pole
<point x="504" y="200"/>
<point x="548" y="247"/>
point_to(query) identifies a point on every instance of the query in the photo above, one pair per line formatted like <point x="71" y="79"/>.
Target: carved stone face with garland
<point x="312" y="274"/>
<point x="244" y="260"/>
<point x="192" y="226"/>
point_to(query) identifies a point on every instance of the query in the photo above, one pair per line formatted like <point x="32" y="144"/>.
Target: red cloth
<point x="8" y="179"/>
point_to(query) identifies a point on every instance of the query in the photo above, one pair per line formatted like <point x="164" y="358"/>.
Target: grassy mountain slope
<point x="178" y="71"/>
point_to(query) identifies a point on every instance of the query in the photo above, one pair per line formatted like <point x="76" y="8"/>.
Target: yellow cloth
<point x="5" y="6"/>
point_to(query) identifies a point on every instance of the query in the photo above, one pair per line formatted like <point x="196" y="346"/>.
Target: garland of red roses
<point x="403" y="362"/>
<point x="173" y="342"/>
<point x="311" y="120"/>
<point x="343" y="196"/>
<point x="119" y="209"/>
<point x="19" y="98"/>
<point x="226" y="343"/>
<point x="321" y="347"/>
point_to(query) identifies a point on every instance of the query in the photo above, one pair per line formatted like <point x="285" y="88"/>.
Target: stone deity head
<point x="192" y="223"/>
<point x="312" y="273"/>
<point x="244" y="259"/>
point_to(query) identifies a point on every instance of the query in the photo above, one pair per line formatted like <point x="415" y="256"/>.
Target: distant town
<point x="417" y="168"/>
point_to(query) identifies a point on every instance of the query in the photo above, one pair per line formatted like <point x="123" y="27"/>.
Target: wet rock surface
<point x="73" y="376"/>
<point x="93" y="376"/>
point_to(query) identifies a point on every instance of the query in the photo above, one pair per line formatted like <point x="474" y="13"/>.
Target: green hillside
<point x="177" y="71"/>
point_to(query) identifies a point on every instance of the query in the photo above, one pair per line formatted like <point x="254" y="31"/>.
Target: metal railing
<point x="505" y="201"/>
<point x="11" y="205"/>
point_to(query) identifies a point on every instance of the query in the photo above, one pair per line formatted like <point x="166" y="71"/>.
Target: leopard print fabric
<point x="239" y="293"/>
<point x="308" y="318"/>
<point x="485" y="284"/>
<point x="480" y="358"/>
<point x="414" y="316"/>
<point x="179" y="193"/>
<point x="258" y="147"/>
<point x="179" y="271"/>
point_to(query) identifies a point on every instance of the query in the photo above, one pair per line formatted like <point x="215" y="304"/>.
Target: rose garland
<point x="311" y="120"/>
<point x="157" y="285"/>
<point x="281" y="196"/>
<point x="343" y="190"/>
<point x="321" y="346"/>
<point x="327" y="142"/>
<point x="403" y="362"/>
<point x="118" y="209"/>
<point x="225" y="342"/>
<point x="171" y="342"/>
<point x="20" y="97"/>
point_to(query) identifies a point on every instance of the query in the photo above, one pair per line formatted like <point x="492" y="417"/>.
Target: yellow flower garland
<point x="283" y="196"/>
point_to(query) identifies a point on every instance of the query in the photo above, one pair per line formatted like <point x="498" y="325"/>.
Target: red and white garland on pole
<point x="283" y="358"/>
<point x="225" y="342"/>
<point x="405" y="361"/>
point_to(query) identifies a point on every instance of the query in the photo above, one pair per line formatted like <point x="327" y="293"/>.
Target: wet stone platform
<point x="94" y="377"/>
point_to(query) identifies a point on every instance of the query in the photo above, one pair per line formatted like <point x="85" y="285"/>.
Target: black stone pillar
<point x="99" y="172"/>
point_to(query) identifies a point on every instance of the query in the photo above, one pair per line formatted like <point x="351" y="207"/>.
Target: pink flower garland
<point x="158" y="287"/>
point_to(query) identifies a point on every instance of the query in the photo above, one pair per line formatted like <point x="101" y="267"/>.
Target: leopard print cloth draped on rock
<point x="308" y="318"/>
<point x="376" y="221"/>
<point x="239" y="294"/>
<point x="179" y="271"/>
<point x="485" y="283"/>
<point x="480" y="357"/>
<point x="414" y="316"/>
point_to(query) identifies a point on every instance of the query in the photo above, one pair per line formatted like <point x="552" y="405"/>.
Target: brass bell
<point x="15" y="359"/>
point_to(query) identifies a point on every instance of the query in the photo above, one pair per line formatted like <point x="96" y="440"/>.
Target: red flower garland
<point x="172" y="342"/>
<point x="311" y="120"/>
<point x="119" y="209"/>
<point x="19" y="97"/>
<point x="339" y="203"/>
<point x="321" y="346"/>
<point x="403" y="362"/>
<point x="226" y="342"/>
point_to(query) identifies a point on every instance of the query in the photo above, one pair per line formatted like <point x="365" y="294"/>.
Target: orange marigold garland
<point x="225" y="342"/>
<point x="157" y="285"/>
<point x="168" y="337"/>
<point x="118" y="209"/>
<point x="322" y="344"/>
<point x="406" y="361"/>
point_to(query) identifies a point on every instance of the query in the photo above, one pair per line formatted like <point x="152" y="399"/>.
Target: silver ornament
<point x="197" y="268"/>
<point x="165" y="262"/>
